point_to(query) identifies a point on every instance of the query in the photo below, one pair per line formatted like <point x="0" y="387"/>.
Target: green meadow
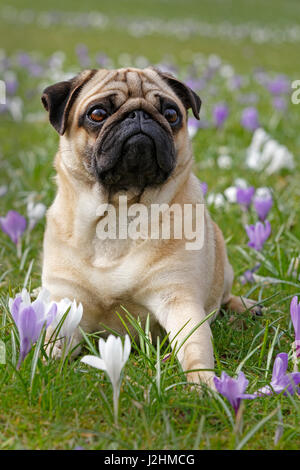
<point x="49" y="404"/>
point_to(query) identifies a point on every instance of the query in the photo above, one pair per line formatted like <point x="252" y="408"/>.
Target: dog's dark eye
<point x="98" y="114"/>
<point x="171" y="115"/>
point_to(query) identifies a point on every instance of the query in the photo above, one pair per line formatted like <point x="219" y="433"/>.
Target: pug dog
<point x="124" y="133"/>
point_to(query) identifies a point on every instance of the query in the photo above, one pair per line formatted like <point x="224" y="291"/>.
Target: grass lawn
<point x="54" y="405"/>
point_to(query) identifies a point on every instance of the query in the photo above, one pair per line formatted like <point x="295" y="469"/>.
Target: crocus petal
<point x="39" y="309"/>
<point x="220" y="114"/>
<point x="247" y="396"/>
<point x="94" y="361"/>
<point x="127" y="349"/>
<point x="28" y="328"/>
<point x="51" y="314"/>
<point x="113" y="359"/>
<point x="102" y="348"/>
<point x="35" y="213"/>
<point x="204" y="187"/>
<point x="233" y="389"/>
<point x="267" y="230"/>
<point x="281" y="381"/>
<point x="244" y="195"/>
<point x="14" y="306"/>
<point x="280" y="366"/>
<point x="249" y="119"/>
<point x="72" y="319"/>
<point x="26" y="300"/>
<point x="44" y="295"/>
<point x="242" y="382"/>
<point x="262" y="207"/>
<point x="75" y="316"/>
<point x="294" y="378"/>
<point x="14" y="225"/>
<point x="114" y="355"/>
<point x="30" y="318"/>
<point x="264" y="391"/>
<point x="258" y="234"/>
<point x="295" y="315"/>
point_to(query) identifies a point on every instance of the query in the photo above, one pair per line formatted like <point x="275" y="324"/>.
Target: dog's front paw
<point x="202" y="377"/>
<point x="242" y="304"/>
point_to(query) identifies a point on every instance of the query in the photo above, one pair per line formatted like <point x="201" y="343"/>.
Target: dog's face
<point x="125" y="128"/>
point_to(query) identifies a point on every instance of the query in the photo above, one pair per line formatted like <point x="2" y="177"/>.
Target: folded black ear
<point x="189" y="98"/>
<point x="58" y="99"/>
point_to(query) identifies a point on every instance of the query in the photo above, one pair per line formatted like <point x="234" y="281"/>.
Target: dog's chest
<point x="115" y="269"/>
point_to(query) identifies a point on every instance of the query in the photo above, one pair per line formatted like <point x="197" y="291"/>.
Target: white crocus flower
<point x="253" y="159"/>
<point x="267" y="154"/>
<point x="281" y="158"/>
<point x="217" y="200"/>
<point x="263" y="193"/>
<point x="241" y="183"/>
<point x="15" y="106"/>
<point x="70" y="323"/>
<point x="224" y="161"/>
<point x="113" y="358"/>
<point x="3" y="190"/>
<point x="230" y="194"/>
<point x="35" y="212"/>
<point x="259" y="137"/>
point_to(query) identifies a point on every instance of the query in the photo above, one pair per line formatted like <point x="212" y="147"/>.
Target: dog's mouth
<point x="134" y="153"/>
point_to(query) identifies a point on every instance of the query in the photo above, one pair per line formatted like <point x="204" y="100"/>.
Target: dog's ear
<point x="189" y="98"/>
<point x="58" y="99"/>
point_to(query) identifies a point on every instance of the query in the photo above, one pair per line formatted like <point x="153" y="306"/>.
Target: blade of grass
<point x="264" y="344"/>
<point x="252" y="431"/>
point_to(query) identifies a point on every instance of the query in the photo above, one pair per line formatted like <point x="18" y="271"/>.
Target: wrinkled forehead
<point x="124" y="84"/>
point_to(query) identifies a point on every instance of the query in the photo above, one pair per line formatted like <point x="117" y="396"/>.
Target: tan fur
<point x="157" y="276"/>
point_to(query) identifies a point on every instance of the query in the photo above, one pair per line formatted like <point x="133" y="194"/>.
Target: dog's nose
<point x="138" y="115"/>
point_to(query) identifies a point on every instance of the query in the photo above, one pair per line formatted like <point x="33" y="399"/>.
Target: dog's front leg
<point x="196" y="353"/>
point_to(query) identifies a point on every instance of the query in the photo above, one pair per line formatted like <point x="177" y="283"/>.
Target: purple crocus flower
<point x="244" y="196"/>
<point x="24" y="59"/>
<point x="196" y="84"/>
<point x="295" y="315"/>
<point x="14" y="225"/>
<point x="193" y="126"/>
<point x="249" y="119"/>
<point x="279" y="103"/>
<point x="203" y="187"/>
<point x="248" y="275"/>
<point x="281" y="381"/>
<point x="279" y="85"/>
<point x="258" y="234"/>
<point x="233" y="389"/>
<point x="83" y="55"/>
<point x="261" y="76"/>
<point x="11" y="83"/>
<point x="102" y="60"/>
<point x="236" y="82"/>
<point x="35" y="70"/>
<point x="31" y="317"/>
<point x="220" y="114"/>
<point x="263" y="205"/>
